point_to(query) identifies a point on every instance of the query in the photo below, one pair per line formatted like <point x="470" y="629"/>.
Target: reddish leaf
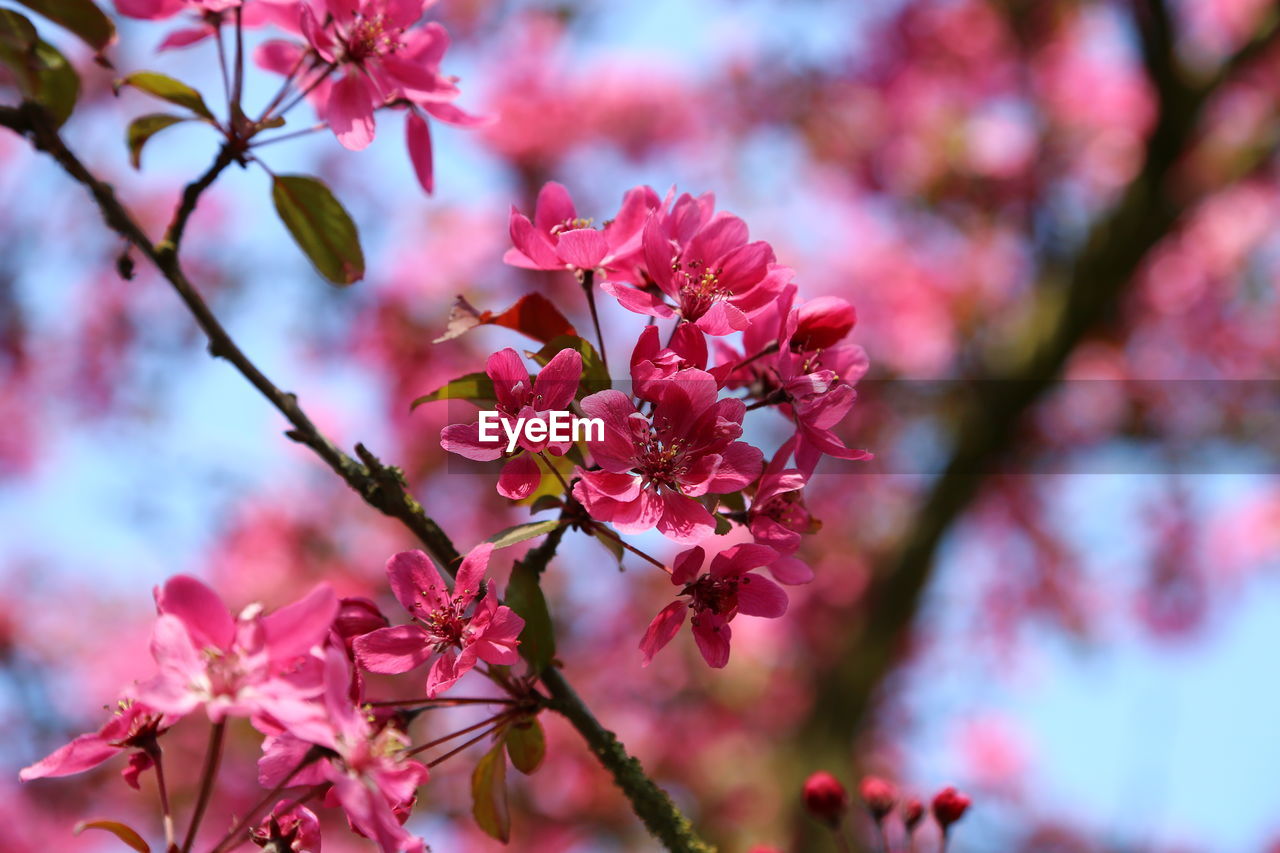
<point x="533" y="316"/>
<point x="119" y="830"/>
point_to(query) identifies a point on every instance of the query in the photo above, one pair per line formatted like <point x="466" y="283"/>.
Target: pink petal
<point x="447" y="112"/>
<point x="740" y="465"/>
<point x="464" y="440"/>
<point x="759" y="596"/>
<point x="201" y="610"/>
<point x="293" y="630"/>
<point x="660" y="631"/>
<point x="277" y="55"/>
<point x="418" y="141"/>
<point x="638" y="515"/>
<point x="724" y="233"/>
<point x="510" y="378"/>
<point x="619" y="487"/>
<point x="520" y="477"/>
<point x="554" y="207"/>
<point x="349" y="111"/>
<point x="557" y="383"/>
<point x="638" y="301"/>
<point x="393" y="650"/>
<point x="723" y="318"/>
<point x="684" y="520"/>
<point x="498" y="644"/>
<point x="466" y="585"/>
<point x="583" y="248"/>
<point x="370" y="813"/>
<point x="686" y="565"/>
<point x="81" y="754"/>
<point x="532" y="243"/>
<point x="791" y="571"/>
<point x="184" y="38"/>
<point x="416" y="583"/>
<point x="712" y="634"/>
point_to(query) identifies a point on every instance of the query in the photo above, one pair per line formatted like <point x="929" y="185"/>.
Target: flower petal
<point x="520" y="477"/>
<point x="200" y="609"/>
<point x="417" y="583"/>
<point x="583" y="248"/>
<point x="293" y="630"/>
<point x="349" y="111"/>
<point x="393" y="650"/>
<point x="759" y="596"/>
<point x="660" y="631"/>
<point x="417" y="137"/>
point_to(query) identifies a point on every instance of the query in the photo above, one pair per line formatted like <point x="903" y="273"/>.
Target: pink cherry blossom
<point x="728" y="588"/>
<point x="654" y="467"/>
<point x="364" y="55"/>
<point x="132" y="726"/>
<point x="702" y="262"/>
<point x="651" y="363"/>
<point x="244" y="666"/>
<point x="446" y="625"/>
<point x="519" y="397"/>
<point x="558" y="239"/>
<point x="289" y="827"/>
<point x="370" y="777"/>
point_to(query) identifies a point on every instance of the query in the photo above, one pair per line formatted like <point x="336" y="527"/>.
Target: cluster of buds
<point x="827" y="800"/>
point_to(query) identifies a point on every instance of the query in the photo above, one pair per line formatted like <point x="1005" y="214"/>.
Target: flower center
<point x="699" y="287"/>
<point x="661" y="465"/>
<point x="446" y="626"/>
<point x="369" y="38"/>
<point x="718" y="595"/>
<point x="571" y="225"/>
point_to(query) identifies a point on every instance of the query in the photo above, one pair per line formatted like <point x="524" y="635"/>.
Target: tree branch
<point x="1095" y="283"/>
<point x="382" y="487"/>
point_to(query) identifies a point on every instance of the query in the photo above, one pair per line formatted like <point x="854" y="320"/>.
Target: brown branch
<point x="1095" y="283"/>
<point x="382" y="487"/>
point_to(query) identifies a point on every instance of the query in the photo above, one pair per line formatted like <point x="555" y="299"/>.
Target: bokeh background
<point x="1076" y="622"/>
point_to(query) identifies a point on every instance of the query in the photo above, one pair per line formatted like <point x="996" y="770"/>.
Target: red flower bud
<point x="879" y="795"/>
<point x="912" y="813"/>
<point x="823" y="322"/>
<point x="949" y="806"/>
<point x="824" y="797"/>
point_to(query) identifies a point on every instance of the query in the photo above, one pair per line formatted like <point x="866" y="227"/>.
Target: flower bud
<point x="824" y="797"/>
<point x="879" y="795"/>
<point x="949" y="806"/>
<point x="822" y="323"/>
<point x="912" y="813"/>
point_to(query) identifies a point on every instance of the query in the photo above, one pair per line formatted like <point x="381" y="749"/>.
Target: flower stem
<point x="588" y="281"/>
<point x="600" y="528"/>
<point x="252" y="814"/>
<point x="451" y="753"/>
<point x="157" y="758"/>
<point x="238" y="88"/>
<point x="495" y="718"/>
<point x="212" y="757"/>
<point x="441" y="703"/>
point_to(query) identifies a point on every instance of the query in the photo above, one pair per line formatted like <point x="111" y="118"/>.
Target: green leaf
<point x="526" y="745"/>
<point x="81" y="17"/>
<point x="476" y="387"/>
<point x="545" y="502"/>
<point x="523" y="532"/>
<point x="594" y="376"/>
<point x="42" y="73"/>
<point x="489" y="795"/>
<point x="734" y="501"/>
<point x="168" y="89"/>
<point x="614" y="546"/>
<point x="141" y="130"/>
<point x="320" y="226"/>
<point x="723" y="525"/>
<point x="524" y="596"/>
<point x="119" y="830"/>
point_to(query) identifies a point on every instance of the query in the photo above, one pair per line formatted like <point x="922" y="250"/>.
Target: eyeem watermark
<point x="555" y="426"/>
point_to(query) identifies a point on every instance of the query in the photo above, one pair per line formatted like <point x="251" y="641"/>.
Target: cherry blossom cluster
<point x="725" y="334"/>
<point x="295" y="675"/>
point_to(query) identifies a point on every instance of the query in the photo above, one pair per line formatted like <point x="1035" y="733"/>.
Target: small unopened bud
<point x="912" y="814"/>
<point x="825" y="798"/>
<point x="948" y="807"/>
<point x="879" y="795"/>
